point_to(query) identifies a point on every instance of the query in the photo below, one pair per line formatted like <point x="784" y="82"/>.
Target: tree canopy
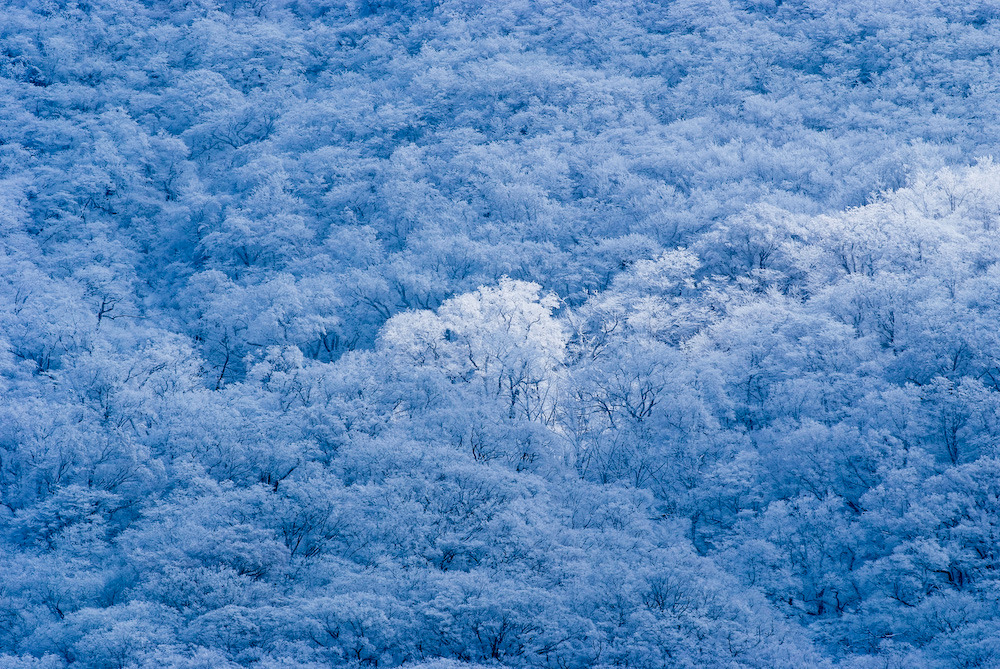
<point x="448" y="334"/>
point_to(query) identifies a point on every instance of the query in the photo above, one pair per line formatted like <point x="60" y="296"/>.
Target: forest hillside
<point x="536" y="333"/>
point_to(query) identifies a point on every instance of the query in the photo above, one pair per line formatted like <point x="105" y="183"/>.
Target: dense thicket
<point x="529" y="333"/>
